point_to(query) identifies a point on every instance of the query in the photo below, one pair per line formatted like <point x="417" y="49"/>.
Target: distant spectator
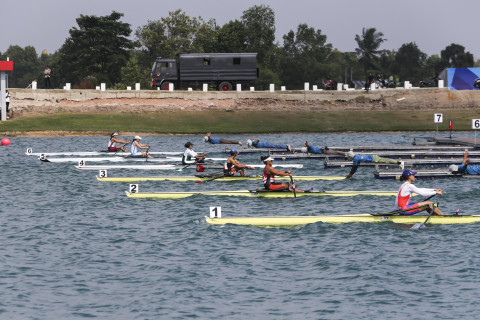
<point x="7" y="100"/>
<point x="370" y="80"/>
<point x="47" y="73"/>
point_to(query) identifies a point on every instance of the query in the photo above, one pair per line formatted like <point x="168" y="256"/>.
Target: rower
<point x="190" y="156"/>
<point x="210" y="139"/>
<point x="465" y="167"/>
<point x="112" y="144"/>
<point x="359" y="158"/>
<point x="136" y="145"/>
<point x="232" y="165"/>
<point x="256" y="143"/>
<point x="269" y="173"/>
<point x="324" y="150"/>
<point x="405" y="193"/>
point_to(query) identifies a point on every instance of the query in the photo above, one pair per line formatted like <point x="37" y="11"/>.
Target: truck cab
<point x="164" y="72"/>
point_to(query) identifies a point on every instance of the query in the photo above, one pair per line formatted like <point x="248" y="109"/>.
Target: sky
<point x="431" y="24"/>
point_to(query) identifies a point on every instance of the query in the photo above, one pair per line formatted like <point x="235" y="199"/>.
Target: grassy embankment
<point x="238" y="122"/>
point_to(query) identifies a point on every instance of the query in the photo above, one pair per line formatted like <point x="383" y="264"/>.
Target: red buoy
<point x="5" y="142"/>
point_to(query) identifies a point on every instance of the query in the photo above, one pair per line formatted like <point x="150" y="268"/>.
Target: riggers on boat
<point x="287" y="221"/>
<point x="256" y="193"/>
<point x="212" y="178"/>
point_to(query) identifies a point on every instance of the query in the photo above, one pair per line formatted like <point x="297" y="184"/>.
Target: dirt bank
<point x="393" y="99"/>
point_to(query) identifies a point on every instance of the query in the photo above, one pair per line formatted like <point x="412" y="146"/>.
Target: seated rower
<point x="232" y="165"/>
<point x="465" y="167"/>
<point x="136" y="145"/>
<point x="324" y="150"/>
<point x="359" y="158"/>
<point x="210" y="139"/>
<point x="112" y="144"/>
<point x="269" y="173"/>
<point x="190" y="156"/>
<point x="405" y="193"/>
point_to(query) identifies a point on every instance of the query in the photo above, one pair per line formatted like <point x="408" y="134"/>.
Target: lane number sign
<point x="133" y="188"/>
<point x="438" y="118"/>
<point x="475" y="124"/>
<point x="215" y="212"/>
<point x="102" y="173"/>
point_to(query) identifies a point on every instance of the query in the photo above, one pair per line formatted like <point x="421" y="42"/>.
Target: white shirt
<point x="189" y="152"/>
<point x="407" y="189"/>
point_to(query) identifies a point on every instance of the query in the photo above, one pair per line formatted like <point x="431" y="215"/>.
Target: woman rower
<point x="269" y="173"/>
<point x="405" y="193"/>
<point x="112" y="144"/>
<point x="137" y="145"/>
<point x="190" y="156"/>
<point x="232" y="165"/>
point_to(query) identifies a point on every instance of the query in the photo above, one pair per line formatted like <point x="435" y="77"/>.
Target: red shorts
<point x="112" y="149"/>
<point x="274" y="186"/>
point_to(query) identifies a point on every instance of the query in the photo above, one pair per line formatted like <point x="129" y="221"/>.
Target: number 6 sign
<point x="475" y="124"/>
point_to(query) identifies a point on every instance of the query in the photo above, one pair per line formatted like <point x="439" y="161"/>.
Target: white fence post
<point x="102" y="86"/>
<point x="137" y="86"/>
<point x="34" y="85"/>
<point x="205" y="87"/>
<point x="306" y="86"/>
<point x="440" y="84"/>
<point x="239" y="87"/>
<point x="272" y="87"/>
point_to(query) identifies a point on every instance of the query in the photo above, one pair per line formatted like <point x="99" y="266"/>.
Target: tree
<point x="97" y="49"/>
<point x="454" y="56"/>
<point x="232" y="37"/>
<point x="410" y="62"/>
<point x="259" y="24"/>
<point x="304" y="56"/>
<point x="368" y="47"/>
<point x="27" y="67"/>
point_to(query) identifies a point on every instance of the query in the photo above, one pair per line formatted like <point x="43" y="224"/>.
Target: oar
<point x="186" y="166"/>
<point x="417" y="226"/>
<point x="215" y="176"/>
<point x="293" y="187"/>
<point x="146" y="154"/>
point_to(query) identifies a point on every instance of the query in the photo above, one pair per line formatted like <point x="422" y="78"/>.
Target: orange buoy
<point x="5" y="142"/>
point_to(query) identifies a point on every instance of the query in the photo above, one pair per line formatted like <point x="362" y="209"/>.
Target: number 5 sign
<point x="475" y="124"/>
<point x="438" y="118"/>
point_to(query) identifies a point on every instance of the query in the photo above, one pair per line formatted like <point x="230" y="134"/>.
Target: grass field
<point x="239" y="122"/>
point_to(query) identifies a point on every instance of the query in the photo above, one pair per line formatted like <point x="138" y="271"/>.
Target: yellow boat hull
<point x="253" y="194"/>
<point x="193" y="178"/>
<point x="286" y="221"/>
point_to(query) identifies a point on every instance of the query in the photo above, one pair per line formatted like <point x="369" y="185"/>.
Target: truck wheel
<point x="225" y="86"/>
<point x="165" y="86"/>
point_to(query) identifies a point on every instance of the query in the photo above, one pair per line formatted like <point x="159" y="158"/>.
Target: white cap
<point x="249" y="142"/>
<point x="205" y="138"/>
<point x="350" y="155"/>
<point x="138" y="138"/>
<point x="114" y="134"/>
<point x="268" y="159"/>
<point x="453" y="167"/>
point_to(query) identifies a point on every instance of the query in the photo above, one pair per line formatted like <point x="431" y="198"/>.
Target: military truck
<point x="222" y="71"/>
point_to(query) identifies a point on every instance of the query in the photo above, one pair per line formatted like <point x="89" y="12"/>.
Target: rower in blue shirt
<point x="359" y="158"/>
<point x="210" y="139"/>
<point x="261" y="144"/>
<point x="465" y="167"/>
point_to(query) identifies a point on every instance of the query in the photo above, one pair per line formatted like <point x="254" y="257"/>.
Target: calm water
<point x="75" y="248"/>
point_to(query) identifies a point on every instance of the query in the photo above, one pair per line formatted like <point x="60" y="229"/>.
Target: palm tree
<point x="368" y="44"/>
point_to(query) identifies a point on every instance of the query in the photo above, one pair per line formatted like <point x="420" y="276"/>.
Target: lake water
<point x="75" y="248"/>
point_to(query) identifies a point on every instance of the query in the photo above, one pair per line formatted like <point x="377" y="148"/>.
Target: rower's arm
<point x="280" y="173"/>
<point x="352" y="171"/>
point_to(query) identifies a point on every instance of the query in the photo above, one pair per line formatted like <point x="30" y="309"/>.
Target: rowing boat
<point x="255" y="194"/>
<point x="207" y="178"/>
<point x="94" y="153"/>
<point x="285" y="221"/>
<point x="408" y="163"/>
<point x="120" y="159"/>
<point x="147" y="166"/>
